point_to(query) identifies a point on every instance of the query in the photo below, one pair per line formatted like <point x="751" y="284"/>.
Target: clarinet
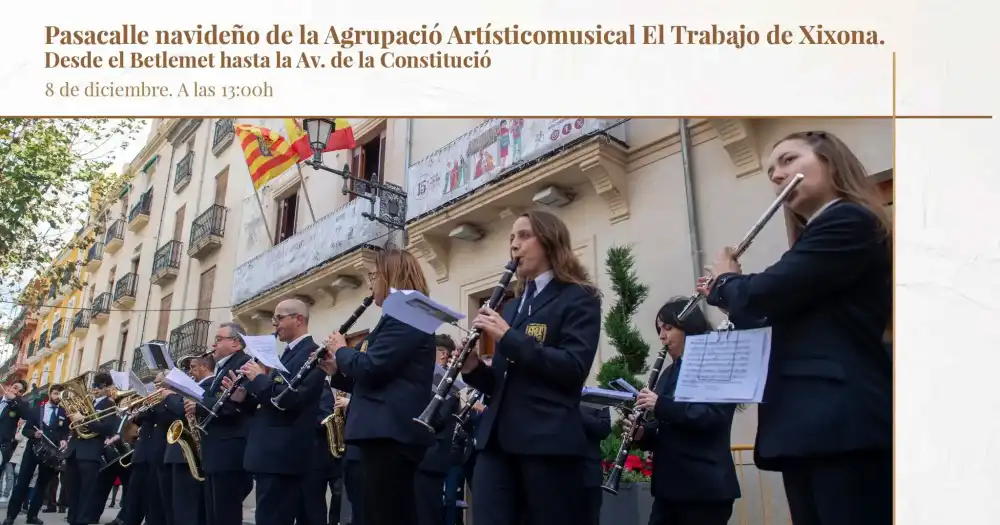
<point x="455" y="366"/>
<point x="241" y="378"/>
<point x="313" y="361"/>
<point x="615" y="476"/>
<point x="464" y="413"/>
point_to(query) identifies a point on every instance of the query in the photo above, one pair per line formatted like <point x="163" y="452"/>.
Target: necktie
<point x="529" y="294"/>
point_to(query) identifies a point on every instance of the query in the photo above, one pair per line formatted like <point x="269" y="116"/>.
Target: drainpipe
<point x="156" y="240"/>
<point x="689" y="197"/>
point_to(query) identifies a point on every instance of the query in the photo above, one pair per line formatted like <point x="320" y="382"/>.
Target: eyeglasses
<point x="278" y="317"/>
<point x="221" y="338"/>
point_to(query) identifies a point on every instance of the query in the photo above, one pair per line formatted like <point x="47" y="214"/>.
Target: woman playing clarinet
<point x="390" y="378"/>
<point x="825" y="421"/>
<point x="531" y="441"/>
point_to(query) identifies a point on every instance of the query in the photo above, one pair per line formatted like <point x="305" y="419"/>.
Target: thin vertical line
<point x="893" y="343"/>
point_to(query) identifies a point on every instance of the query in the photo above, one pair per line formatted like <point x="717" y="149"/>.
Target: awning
<point x="124" y="191"/>
<point x="149" y="163"/>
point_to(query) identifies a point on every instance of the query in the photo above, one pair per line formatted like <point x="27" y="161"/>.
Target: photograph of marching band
<point x="446" y="321"/>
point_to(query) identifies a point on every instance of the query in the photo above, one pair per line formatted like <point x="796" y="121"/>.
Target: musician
<point x="51" y="419"/>
<point x="597" y="426"/>
<point x="390" y="376"/>
<point x="429" y="482"/>
<point x="694" y="479"/>
<point x="280" y="440"/>
<point x="143" y="498"/>
<point x="83" y="462"/>
<point x="531" y="438"/>
<point x="12" y="410"/>
<point x="226" y="483"/>
<point x="183" y="495"/>
<point x="352" y="477"/>
<point x="825" y="421"/>
<point x="312" y="499"/>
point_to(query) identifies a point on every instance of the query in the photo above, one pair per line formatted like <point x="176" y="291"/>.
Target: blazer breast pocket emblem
<point x="364" y="346"/>
<point x="279" y="379"/>
<point x="60" y="422"/>
<point x="12" y="415"/>
<point x="537" y="331"/>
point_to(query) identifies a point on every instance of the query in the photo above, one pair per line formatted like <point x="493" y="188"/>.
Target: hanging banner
<point x="485" y="153"/>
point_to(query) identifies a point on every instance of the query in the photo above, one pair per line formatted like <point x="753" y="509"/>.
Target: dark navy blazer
<point x="691" y="446"/>
<point x="57" y="431"/>
<point x="390" y="383"/>
<point x="92" y="449"/>
<point x="597" y="426"/>
<point x="828" y="300"/>
<point x="225" y="443"/>
<point x="538" y="373"/>
<point x="12" y="414"/>
<point x="277" y="438"/>
<point x="152" y="443"/>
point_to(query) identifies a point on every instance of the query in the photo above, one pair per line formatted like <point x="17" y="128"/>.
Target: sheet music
<point x="120" y="379"/>
<point x="725" y="367"/>
<point x="418" y="310"/>
<point x="183" y="383"/>
<point x="265" y="349"/>
<point x="140" y="388"/>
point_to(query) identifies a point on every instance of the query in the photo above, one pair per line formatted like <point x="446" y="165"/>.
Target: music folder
<point x="605" y="397"/>
<point x="156" y="355"/>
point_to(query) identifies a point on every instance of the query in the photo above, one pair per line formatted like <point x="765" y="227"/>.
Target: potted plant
<point x="633" y="502"/>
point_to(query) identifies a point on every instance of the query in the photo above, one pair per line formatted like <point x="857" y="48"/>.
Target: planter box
<point x="631" y="506"/>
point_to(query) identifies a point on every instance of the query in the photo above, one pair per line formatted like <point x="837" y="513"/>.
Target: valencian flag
<point x="267" y="153"/>
<point x="341" y="138"/>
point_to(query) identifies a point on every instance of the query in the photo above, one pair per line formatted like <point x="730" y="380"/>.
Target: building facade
<point x="162" y="268"/>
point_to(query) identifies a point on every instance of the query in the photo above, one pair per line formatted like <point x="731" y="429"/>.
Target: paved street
<point x="109" y="514"/>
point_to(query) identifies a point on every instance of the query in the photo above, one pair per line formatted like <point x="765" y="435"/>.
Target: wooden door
<point x="221" y="184"/>
<point x="486" y="343"/>
<point x="205" y="294"/>
<point x="179" y="223"/>
<point x="163" y="326"/>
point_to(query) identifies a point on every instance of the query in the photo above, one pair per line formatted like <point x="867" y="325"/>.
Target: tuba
<point x="189" y="439"/>
<point x="334" y="426"/>
<point x="76" y="398"/>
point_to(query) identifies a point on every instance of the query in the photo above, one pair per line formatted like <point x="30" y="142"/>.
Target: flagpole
<point x="263" y="218"/>
<point x="305" y="192"/>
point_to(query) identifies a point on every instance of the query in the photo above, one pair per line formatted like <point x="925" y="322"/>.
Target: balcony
<point x="139" y="366"/>
<point x="100" y="308"/>
<point x="113" y="365"/>
<point x="207" y="231"/>
<point x="43" y="349"/>
<point x="94" y="256"/>
<point x="223" y="135"/>
<point x="466" y="187"/>
<point x="59" y="337"/>
<point x="125" y="290"/>
<point x="115" y="236"/>
<point x="166" y="263"/>
<point x="333" y="253"/>
<point x="182" y="175"/>
<point x="66" y="281"/>
<point x="189" y="339"/>
<point x="81" y="323"/>
<point x="139" y="215"/>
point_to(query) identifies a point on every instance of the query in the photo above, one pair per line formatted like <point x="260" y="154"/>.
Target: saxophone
<point x="334" y="426"/>
<point x="189" y="439"/>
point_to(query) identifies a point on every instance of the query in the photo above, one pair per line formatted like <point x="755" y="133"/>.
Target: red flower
<point x="633" y="463"/>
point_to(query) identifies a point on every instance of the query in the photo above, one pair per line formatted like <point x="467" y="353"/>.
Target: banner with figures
<point x="485" y="153"/>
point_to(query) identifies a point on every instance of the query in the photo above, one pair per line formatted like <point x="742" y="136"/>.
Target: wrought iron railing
<point x="112" y="365"/>
<point x="43" y="340"/>
<point x="139" y="365"/>
<point x="81" y="319"/>
<point x="189" y="339"/>
<point x="101" y="304"/>
<point x="115" y="231"/>
<point x="223" y="131"/>
<point x="125" y="287"/>
<point x="167" y="256"/>
<point x="211" y="222"/>
<point x="96" y="252"/>
<point x="182" y="176"/>
<point x="56" y="330"/>
<point x="142" y="207"/>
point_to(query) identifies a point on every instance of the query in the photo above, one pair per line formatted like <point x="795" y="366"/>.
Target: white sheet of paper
<point x="725" y="367"/>
<point x="141" y="388"/>
<point x="182" y="382"/>
<point x="121" y="380"/>
<point x="418" y="310"/>
<point x="265" y="349"/>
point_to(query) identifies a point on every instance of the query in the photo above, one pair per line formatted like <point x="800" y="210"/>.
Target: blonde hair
<point x="849" y="177"/>
<point x="399" y="269"/>
<point x="553" y="235"/>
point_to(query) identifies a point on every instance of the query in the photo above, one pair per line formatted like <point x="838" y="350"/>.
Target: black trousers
<point x="81" y="476"/>
<point x="851" y="489"/>
<point x="388" y="469"/>
<point x="352" y="488"/>
<point x="142" y="499"/>
<point x="186" y="496"/>
<point x="690" y="512"/>
<point x="277" y="498"/>
<point x="428" y="490"/>
<point x="224" y="495"/>
<point x="527" y="490"/>
<point x="312" y="499"/>
<point x="29" y="462"/>
<point x="336" y="484"/>
<point x="592" y="499"/>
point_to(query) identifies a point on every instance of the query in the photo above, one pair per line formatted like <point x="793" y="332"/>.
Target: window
<point x="163" y="325"/>
<point x="97" y="355"/>
<point x="486" y="344"/>
<point x="221" y="185"/>
<point x="368" y="163"/>
<point x="205" y="288"/>
<point x="45" y="375"/>
<point x="59" y="366"/>
<point x="179" y="222"/>
<point x="288" y="208"/>
<point x="123" y="341"/>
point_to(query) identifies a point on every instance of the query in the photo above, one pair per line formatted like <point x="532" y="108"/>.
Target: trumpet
<point x="455" y="365"/>
<point x="615" y="475"/>
<point x="313" y="361"/>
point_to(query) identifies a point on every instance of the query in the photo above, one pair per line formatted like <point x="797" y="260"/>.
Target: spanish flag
<point x="267" y="153"/>
<point x="342" y="137"/>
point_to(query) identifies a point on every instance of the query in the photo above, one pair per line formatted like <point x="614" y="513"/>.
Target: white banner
<point x="327" y="238"/>
<point x="485" y="153"/>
